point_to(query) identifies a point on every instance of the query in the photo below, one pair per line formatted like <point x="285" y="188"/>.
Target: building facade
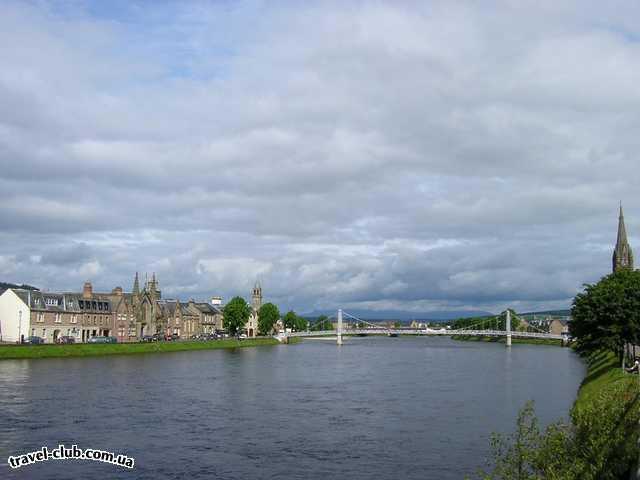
<point x="127" y="316"/>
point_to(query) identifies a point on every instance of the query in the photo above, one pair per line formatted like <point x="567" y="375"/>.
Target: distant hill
<point x="403" y="315"/>
<point x="551" y="313"/>
<point x="6" y="285"/>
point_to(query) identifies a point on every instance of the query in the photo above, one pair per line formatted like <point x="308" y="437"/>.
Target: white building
<point x="15" y="315"/>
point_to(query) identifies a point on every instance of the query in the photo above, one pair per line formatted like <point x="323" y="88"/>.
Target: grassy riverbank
<point x="86" y="349"/>
<point x="598" y="443"/>
<point x="604" y="374"/>
<point x="530" y="341"/>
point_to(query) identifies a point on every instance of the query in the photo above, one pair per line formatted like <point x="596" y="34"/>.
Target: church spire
<point x="622" y="255"/>
<point x="136" y="286"/>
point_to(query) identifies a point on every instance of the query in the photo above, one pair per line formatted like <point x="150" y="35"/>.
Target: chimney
<point x="117" y="291"/>
<point x="217" y="301"/>
<point x="87" y="290"/>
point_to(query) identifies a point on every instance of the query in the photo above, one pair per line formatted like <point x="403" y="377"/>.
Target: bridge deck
<point x="427" y="332"/>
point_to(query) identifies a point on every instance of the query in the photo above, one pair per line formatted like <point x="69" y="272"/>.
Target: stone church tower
<point x="622" y="255"/>
<point x="256" y="297"/>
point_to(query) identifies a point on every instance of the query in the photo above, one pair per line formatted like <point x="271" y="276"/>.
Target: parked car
<point x="101" y="340"/>
<point x="175" y="337"/>
<point x="112" y="340"/>
<point x="157" y="337"/>
<point x="34" y="340"/>
<point x="67" y="339"/>
<point x="149" y="338"/>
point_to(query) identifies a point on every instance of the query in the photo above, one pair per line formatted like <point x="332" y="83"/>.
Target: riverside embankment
<point x="8" y="352"/>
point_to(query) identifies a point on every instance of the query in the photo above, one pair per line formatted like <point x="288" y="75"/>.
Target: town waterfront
<point x="373" y="408"/>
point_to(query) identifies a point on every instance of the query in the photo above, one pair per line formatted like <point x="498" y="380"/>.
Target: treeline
<point x="238" y="311"/>
<point x="493" y="322"/>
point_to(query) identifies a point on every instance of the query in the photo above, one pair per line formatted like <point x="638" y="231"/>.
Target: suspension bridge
<point x="481" y="328"/>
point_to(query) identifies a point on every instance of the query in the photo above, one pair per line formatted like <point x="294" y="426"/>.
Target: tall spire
<point x="136" y="285"/>
<point x="622" y="255"/>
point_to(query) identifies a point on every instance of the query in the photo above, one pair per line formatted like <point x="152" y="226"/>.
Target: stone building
<point x="251" y="327"/>
<point x="210" y="314"/>
<point x="622" y="254"/>
<point x="127" y="316"/>
<point x="559" y="326"/>
<point x="25" y="313"/>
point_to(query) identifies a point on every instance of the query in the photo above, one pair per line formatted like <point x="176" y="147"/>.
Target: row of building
<point x="127" y="316"/>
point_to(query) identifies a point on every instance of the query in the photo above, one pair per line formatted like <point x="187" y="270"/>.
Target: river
<point x="406" y="408"/>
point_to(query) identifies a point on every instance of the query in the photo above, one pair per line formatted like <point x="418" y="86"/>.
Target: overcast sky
<point x="406" y="155"/>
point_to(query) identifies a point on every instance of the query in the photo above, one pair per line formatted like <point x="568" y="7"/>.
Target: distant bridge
<point x="374" y="329"/>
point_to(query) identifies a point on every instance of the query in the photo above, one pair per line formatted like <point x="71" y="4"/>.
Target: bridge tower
<point x="508" y="322"/>
<point x="339" y="331"/>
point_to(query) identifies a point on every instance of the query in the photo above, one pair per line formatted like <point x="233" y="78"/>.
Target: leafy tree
<point x="301" y="323"/>
<point x="236" y="315"/>
<point x="515" y="454"/>
<point x="607" y="314"/>
<point x="322" y="323"/>
<point x="268" y="315"/>
<point x="397" y="324"/>
<point x="495" y="322"/>
<point x="290" y="319"/>
<point x="294" y="322"/>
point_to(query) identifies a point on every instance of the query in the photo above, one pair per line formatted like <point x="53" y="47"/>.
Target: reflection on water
<point x="375" y="408"/>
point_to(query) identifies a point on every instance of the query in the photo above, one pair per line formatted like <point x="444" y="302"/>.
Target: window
<point x="40" y="317"/>
<point x="81" y="303"/>
<point x="58" y="318"/>
<point x="74" y="318"/>
<point x="70" y="303"/>
<point x="132" y="332"/>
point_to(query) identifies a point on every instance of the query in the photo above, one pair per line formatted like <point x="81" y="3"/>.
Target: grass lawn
<point x="95" y="349"/>
<point x="603" y="372"/>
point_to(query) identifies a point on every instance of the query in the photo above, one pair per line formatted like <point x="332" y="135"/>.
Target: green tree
<point x="301" y="323"/>
<point x="514" y="455"/>
<point x="268" y="315"/>
<point x="294" y="322"/>
<point x="289" y="320"/>
<point x="322" y="323"/>
<point x="236" y="315"/>
<point x="607" y="314"/>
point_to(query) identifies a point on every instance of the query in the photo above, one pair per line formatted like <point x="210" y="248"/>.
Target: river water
<point x="405" y="408"/>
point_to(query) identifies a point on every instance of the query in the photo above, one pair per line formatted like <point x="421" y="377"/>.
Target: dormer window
<point x="52" y="302"/>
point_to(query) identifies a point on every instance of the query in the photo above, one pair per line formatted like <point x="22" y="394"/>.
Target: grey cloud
<point x="381" y="154"/>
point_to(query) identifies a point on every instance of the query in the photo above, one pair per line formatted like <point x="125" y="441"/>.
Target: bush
<point x="600" y="443"/>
